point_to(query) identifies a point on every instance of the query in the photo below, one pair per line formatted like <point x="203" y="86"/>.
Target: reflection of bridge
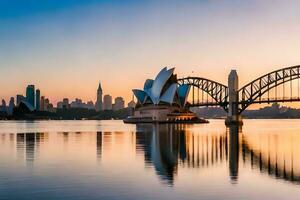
<point x="268" y="88"/>
<point x="167" y="146"/>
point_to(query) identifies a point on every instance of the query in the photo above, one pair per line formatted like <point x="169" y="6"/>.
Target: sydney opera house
<point x="162" y="100"/>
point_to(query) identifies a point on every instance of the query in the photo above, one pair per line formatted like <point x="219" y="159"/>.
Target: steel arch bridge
<point x="218" y="94"/>
<point x="217" y="91"/>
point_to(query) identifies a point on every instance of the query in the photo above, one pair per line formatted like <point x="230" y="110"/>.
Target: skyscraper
<point x="42" y="103"/>
<point x="30" y="95"/>
<point x="3" y="107"/>
<point x="46" y="104"/>
<point x="38" y="100"/>
<point x="11" y="106"/>
<point x="99" y="98"/>
<point x="107" y="102"/>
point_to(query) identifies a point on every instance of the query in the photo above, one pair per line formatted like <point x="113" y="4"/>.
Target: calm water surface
<point x="112" y="160"/>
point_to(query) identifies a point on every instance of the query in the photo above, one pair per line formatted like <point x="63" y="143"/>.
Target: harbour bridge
<point x="277" y="86"/>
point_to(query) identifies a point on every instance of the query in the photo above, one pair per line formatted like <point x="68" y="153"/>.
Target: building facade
<point x="30" y="95"/>
<point x="42" y="103"/>
<point x="11" y="106"/>
<point x="38" y="100"/>
<point x="119" y="103"/>
<point x="107" y="102"/>
<point x="98" y="105"/>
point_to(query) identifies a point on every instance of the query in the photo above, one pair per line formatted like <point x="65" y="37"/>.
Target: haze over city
<point x="67" y="47"/>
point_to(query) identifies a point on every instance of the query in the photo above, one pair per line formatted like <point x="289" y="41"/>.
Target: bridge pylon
<point x="233" y="115"/>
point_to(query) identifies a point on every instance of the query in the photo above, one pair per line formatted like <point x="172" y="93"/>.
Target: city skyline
<point x="79" y="43"/>
<point x="35" y="102"/>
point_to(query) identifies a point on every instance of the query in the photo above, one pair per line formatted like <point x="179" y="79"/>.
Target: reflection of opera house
<point x="163" y="100"/>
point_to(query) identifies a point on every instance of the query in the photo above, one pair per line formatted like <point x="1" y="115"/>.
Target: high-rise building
<point x="30" y="95"/>
<point x="11" y="106"/>
<point x="107" y="102"/>
<point x="3" y="107"/>
<point x="42" y="103"/>
<point x="98" y="104"/>
<point x="46" y="104"/>
<point x="38" y="100"/>
<point x="20" y="98"/>
<point x="119" y="103"/>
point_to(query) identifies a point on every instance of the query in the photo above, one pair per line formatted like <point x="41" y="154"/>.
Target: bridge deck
<point x="257" y="101"/>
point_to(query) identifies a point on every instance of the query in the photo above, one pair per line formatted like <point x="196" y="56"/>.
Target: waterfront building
<point x="11" y="106"/>
<point x="59" y="105"/>
<point x="107" y="102"/>
<point x="98" y="104"/>
<point x="3" y="107"/>
<point x="42" y="103"/>
<point x="30" y="95"/>
<point x="46" y="104"/>
<point x="77" y="103"/>
<point x="90" y="105"/>
<point x="20" y="98"/>
<point x="38" y="100"/>
<point x="51" y="108"/>
<point x="65" y="103"/>
<point x="119" y="103"/>
<point x="163" y="100"/>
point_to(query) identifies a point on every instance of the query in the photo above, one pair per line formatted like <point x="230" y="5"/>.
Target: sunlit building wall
<point x="107" y="102"/>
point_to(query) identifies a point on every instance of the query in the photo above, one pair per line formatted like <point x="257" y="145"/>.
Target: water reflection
<point x="99" y="144"/>
<point x="168" y="148"/>
<point x="28" y="143"/>
<point x="233" y="152"/>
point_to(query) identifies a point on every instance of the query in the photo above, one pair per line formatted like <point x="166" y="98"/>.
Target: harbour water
<point x="113" y="160"/>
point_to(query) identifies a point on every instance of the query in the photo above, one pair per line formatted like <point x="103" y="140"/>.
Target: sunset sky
<point x="65" y="47"/>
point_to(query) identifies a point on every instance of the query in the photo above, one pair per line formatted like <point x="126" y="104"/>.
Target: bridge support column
<point x="233" y="116"/>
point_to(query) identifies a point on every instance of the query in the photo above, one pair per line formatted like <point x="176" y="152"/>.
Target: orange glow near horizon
<point x="66" y="53"/>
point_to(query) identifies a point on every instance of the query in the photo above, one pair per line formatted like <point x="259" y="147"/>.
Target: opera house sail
<point x="162" y="100"/>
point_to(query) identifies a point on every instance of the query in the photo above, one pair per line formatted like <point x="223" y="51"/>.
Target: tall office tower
<point x="38" y="100"/>
<point x="30" y="95"/>
<point x="98" y="104"/>
<point x="20" y="98"/>
<point x="107" y="102"/>
<point x="46" y="104"/>
<point x="3" y="106"/>
<point x="11" y="106"/>
<point x="42" y="103"/>
<point x="119" y="103"/>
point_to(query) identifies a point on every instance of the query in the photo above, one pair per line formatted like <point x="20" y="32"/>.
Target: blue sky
<point x="65" y="47"/>
<point x="21" y="8"/>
